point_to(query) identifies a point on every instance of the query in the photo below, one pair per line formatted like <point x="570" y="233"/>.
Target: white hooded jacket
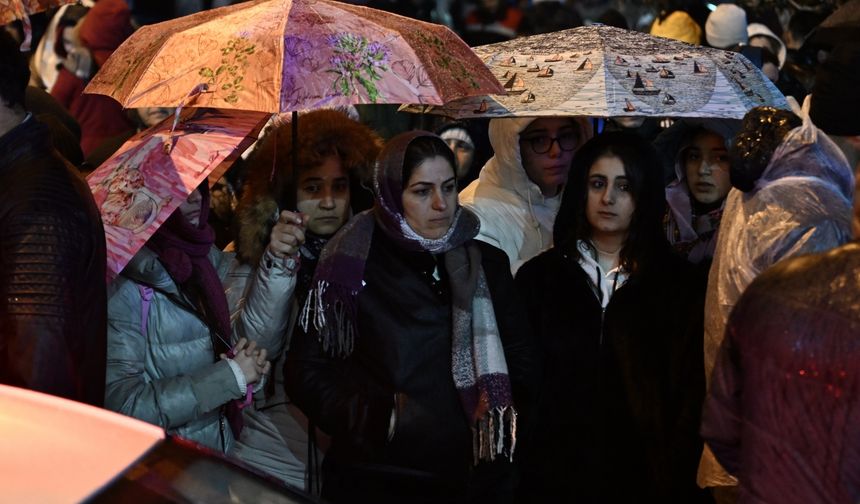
<point x="515" y="216"/>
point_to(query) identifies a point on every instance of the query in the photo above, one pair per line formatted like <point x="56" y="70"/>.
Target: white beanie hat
<point x="726" y="26"/>
<point x="757" y="29"/>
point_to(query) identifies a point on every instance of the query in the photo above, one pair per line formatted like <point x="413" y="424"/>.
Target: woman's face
<point x="191" y="207"/>
<point x="546" y="148"/>
<point x="610" y="205"/>
<point x="323" y="196"/>
<point x="430" y="198"/>
<point x="707" y="162"/>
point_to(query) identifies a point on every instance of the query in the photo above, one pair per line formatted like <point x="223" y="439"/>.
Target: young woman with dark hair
<point x="617" y="319"/>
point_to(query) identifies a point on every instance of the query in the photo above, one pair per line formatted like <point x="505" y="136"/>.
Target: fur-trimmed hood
<point x="269" y="179"/>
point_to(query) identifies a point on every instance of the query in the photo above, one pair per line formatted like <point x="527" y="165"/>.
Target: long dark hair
<point x="641" y="166"/>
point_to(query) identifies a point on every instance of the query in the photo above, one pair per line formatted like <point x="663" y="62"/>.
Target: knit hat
<point x="835" y="104"/>
<point x="678" y="26"/>
<point x="105" y="27"/>
<point x="758" y="29"/>
<point x="726" y="26"/>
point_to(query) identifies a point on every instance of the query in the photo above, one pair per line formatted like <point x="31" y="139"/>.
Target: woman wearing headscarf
<point x="413" y="354"/>
<point x="698" y="152"/>
<point x="618" y="323"/>
<point x="332" y="150"/>
<point x="184" y="322"/>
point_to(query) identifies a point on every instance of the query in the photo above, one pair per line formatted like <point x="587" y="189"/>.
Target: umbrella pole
<point x="294" y="162"/>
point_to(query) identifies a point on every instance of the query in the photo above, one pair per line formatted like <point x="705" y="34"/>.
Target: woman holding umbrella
<point x="413" y="353"/>
<point x="618" y="324"/>
<point x="332" y="151"/>
<point x="184" y="322"/>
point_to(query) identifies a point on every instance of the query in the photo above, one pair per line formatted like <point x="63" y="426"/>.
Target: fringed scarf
<point x="183" y="249"/>
<point x="478" y="363"/>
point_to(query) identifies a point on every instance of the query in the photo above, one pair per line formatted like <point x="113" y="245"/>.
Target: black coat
<point x="53" y="304"/>
<point x="402" y="359"/>
<point x="621" y="391"/>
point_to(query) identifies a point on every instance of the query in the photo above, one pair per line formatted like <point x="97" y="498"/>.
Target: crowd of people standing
<point x="518" y="309"/>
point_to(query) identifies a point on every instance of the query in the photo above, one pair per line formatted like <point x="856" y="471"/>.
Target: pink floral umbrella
<point x="288" y="55"/>
<point x="13" y="10"/>
<point x="138" y="188"/>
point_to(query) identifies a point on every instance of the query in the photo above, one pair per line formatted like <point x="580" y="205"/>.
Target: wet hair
<point x="423" y="148"/>
<point x="643" y="172"/>
<point x="14" y="72"/>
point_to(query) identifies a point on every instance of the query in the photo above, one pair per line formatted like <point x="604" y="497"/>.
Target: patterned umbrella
<point x="138" y="188"/>
<point x="287" y="55"/>
<point x="604" y="71"/>
<point x="13" y="10"/>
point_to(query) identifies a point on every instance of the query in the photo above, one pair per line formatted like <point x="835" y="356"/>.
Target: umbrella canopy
<point x="605" y="71"/>
<point x="138" y="188"/>
<point x="286" y="55"/>
<point x="13" y="10"/>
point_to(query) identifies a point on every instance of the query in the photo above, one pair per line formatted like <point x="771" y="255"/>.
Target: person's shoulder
<point x="547" y="261"/>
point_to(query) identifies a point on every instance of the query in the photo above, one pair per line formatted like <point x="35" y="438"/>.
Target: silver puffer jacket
<point x="169" y="376"/>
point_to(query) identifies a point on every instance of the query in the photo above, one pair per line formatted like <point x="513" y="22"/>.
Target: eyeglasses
<point x="543" y="143"/>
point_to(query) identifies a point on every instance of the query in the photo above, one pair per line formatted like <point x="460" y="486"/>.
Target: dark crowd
<point x="392" y="307"/>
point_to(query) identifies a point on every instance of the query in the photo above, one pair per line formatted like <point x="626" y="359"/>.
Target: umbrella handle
<point x="194" y="93"/>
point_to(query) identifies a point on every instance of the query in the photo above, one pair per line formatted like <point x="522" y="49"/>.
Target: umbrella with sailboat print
<point x="603" y="71"/>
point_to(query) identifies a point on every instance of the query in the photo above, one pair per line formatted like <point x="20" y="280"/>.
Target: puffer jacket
<point x="170" y="376"/>
<point x="515" y="216"/>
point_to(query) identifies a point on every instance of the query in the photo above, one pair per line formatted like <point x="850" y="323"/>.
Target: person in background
<point x="698" y="152"/>
<point x="617" y="318"/>
<point x="184" y="324"/>
<point x="786" y="371"/>
<point x="726" y="26"/>
<point x="92" y="41"/>
<point x="471" y="145"/>
<point x="413" y="352"/>
<point x="546" y="16"/>
<point x="518" y="191"/>
<point x="677" y="25"/>
<point x="332" y="148"/>
<point x="791" y="195"/>
<point x="490" y="21"/>
<point x="52" y="255"/>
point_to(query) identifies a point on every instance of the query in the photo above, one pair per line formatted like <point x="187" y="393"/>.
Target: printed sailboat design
<point x="515" y="85"/>
<point x="482" y="109"/>
<point x="628" y="107"/>
<point x="651" y="68"/>
<point x="665" y="73"/>
<point x="668" y="99"/>
<point x="527" y="97"/>
<point x="629" y="75"/>
<point x="585" y="66"/>
<point x="533" y="68"/>
<point x="642" y="89"/>
<point x="699" y="69"/>
<point x="747" y="91"/>
<point x="621" y="61"/>
<point x="546" y="72"/>
<point x="509" y="62"/>
<point x="506" y="75"/>
<point x="554" y="58"/>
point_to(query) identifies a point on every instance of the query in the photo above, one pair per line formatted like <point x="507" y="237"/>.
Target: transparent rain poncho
<point x="801" y="204"/>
